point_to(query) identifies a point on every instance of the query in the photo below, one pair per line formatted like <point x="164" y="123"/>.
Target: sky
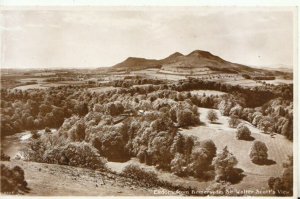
<point x="104" y="36"/>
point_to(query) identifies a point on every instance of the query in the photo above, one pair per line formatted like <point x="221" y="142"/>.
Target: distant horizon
<point x="105" y="36"/>
<point x="275" y="66"/>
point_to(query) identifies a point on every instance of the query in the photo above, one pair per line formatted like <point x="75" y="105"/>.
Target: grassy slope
<point x="58" y="180"/>
<point x="222" y="135"/>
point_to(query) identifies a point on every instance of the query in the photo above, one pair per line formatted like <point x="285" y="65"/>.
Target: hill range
<point x="197" y="62"/>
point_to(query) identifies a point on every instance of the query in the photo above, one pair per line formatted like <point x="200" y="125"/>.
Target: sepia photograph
<point x="148" y="101"/>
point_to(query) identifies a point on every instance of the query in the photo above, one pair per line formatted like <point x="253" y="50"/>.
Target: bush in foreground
<point x="76" y="154"/>
<point x="135" y="172"/>
<point x="12" y="180"/>
<point x="80" y="154"/>
<point x="283" y="185"/>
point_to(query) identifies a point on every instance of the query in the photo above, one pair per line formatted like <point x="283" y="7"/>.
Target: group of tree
<point x="88" y="133"/>
<point x="151" y="136"/>
<point x="276" y="116"/>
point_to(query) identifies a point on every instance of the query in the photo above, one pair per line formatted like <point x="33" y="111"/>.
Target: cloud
<point x="107" y="35"/>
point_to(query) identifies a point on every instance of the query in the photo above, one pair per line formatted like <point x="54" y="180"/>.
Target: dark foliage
<point x="13" y="180"/>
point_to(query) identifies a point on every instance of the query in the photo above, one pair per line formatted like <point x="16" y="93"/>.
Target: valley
<point x="169" y="120"/>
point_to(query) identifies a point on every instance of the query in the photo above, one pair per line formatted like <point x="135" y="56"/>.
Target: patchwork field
<point x="242" y="82"/>
<point x="207" y="92"/>
<point x="102" y="89"/>
<point x="279" y="81"/>
<point x="31" y="86"/>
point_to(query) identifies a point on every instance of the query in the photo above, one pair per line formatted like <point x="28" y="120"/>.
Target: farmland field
<point x="279" y="81"/>
<point x="31" y="86"/>
<point x="102" y="89"/>
<point x="207" y="92"/>
<point x="243" y="82"/>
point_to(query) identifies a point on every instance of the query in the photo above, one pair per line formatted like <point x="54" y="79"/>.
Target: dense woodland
<point x="141" y="121"/>
<point x="270" y="111"/>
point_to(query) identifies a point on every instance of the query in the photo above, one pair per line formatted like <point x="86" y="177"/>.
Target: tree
<point x="276" y="185"/>
<point x="283" y="186"/>
<point x="224" y="164"/>
<point x="160" y="149"/>
<point x="199" y="161"/>
<point x="243" y="132"/>
<point x="212" y="116"/>
<point x="236" y="110"/>
<point x="287" y="175"/>
<point x="225" y="106"/>
<point x="114" y="108"/>
<point x="184" y="117"/>
<point x="211" y="148"/>
<point x="233" y="121"/>
<point x="259" y="152"/>
<point x="179" y="165"/>
<point x="81" y="108"/>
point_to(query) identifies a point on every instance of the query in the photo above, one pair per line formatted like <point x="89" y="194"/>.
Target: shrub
<point x="212" y="115"/>
<point x="12" y="180"/>
<point x="259" y="152"/>
<point x="133" y="171"/>
<point x="243" y="132"/>
<point x="75" y="154"/>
